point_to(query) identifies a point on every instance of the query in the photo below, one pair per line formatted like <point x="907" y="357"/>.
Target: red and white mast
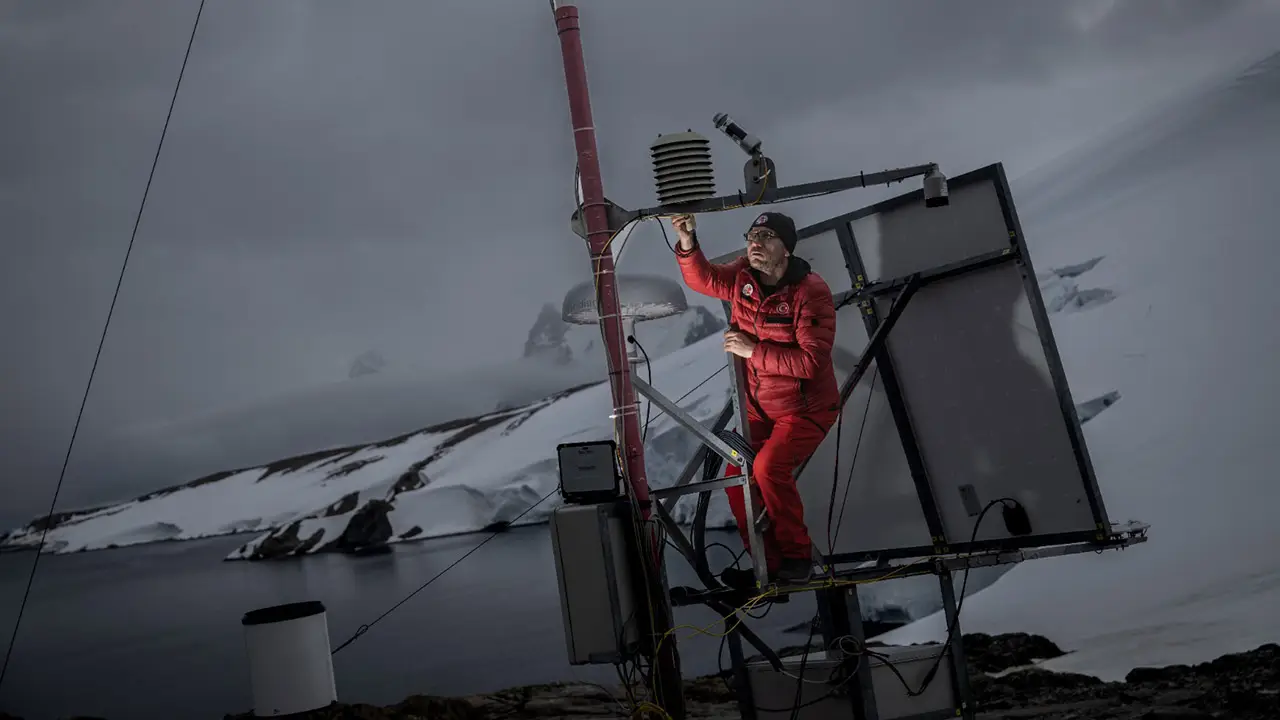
<point x="664" y="659"/>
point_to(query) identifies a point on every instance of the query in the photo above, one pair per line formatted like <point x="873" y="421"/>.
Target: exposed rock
<point x="704" y="325"/>
<point x="547" y="337"/>
<point x="369" y="363"/>
<point x="1243" y="686"/>
<point x="368" y="527"/>
<point x="350" y="467"/>
<point x="991" y="654"/>
<point x="1070" y="271"/>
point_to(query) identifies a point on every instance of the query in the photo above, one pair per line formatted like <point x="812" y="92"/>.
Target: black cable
<point x="804" y="660"/>
<point x="735" y="441"/>
<point x="951" y="630"/>
<point x="666" y="238"/>
<point x="694" y="389"/>
<point x="648" y="366"/>
<point x="737" y="557"/>
<point x="365" y="628"/>
<point x="93" y="370"/>
<point x="834" y="535"/>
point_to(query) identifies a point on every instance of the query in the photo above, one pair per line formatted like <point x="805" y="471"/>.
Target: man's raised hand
<point x="684" y="226"/>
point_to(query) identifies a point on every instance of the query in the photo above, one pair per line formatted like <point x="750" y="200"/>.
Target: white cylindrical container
<point x="290" y="663"/>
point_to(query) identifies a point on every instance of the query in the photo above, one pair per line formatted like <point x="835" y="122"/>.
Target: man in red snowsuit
<point x="783" y="324"/>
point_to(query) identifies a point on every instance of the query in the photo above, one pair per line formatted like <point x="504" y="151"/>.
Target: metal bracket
<point x="692" y="467"/>
<point x="755" y="540"/>
<point x="616" y="215"/>
<point x="715" y="444"/>
<point x="677" y="413"/>
<point x="793" y="192"/>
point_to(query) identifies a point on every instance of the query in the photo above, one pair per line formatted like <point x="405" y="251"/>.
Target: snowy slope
<point x="1185" y="211"/>
<point x="451" y="478"/>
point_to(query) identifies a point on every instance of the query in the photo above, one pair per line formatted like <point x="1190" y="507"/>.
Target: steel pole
<point x="625" y="408"/>
<point x="665" y="660"/>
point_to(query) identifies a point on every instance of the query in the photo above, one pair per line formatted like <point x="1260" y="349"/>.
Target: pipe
<point x="667" y="683"/>
<point x="625" y="407"/>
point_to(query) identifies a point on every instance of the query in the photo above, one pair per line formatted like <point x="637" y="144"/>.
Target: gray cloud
<point x="396" y="175"/>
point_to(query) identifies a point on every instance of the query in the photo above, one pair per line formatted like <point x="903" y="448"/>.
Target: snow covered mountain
<point x="454" y="477"/>
<point x="1183" y="206"/>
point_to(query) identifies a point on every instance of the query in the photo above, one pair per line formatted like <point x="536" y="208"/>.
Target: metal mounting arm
<point x="678" y="414"/>
<point x="795" y="192"/>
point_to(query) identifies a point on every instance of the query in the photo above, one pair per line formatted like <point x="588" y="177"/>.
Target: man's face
<point x="765" y="251"/>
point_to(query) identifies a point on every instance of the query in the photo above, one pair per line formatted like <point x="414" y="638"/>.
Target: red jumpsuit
<point x="793" y="397"/>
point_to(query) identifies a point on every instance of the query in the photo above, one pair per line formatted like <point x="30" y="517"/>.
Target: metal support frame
<point x="836" y="592"/>
<point x="840" y="615"/>
<point x="783" y="194"/>
<point x="597" y="218"/>
<point x="710" y="440"/>
<point x="1121" y="537"/>
<point x="868" y="293"/>
<point x="755" y="540"/>
<point x="669" y="495"/>
<point x="889" y="379"/>
<point x="959" y="669"/>
<point x="677" y="413"/>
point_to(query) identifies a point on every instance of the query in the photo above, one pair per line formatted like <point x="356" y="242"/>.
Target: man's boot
<point x="794" y="571"/>
<point x="744" y="580"/>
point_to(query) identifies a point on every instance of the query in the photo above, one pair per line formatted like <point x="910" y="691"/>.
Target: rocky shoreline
<point x="1243" y="686"/>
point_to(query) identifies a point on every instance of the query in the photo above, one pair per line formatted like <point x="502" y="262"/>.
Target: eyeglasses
<point x="760" y="235"/>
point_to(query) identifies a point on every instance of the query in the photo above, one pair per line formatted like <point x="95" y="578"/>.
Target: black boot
<point x="739" y="579"/>
<point x="794" y="571"/>
<point x="744" y="581"/>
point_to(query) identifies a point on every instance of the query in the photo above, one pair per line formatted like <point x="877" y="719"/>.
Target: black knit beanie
<point x="784" y="226"/>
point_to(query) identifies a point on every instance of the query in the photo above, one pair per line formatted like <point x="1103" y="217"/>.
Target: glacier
<point x="1182" y="204"/>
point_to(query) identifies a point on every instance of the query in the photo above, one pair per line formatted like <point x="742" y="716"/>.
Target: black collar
<point x="797" y="269"/>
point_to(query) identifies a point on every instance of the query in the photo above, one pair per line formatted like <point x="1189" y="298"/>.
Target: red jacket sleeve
<point x="815" y="334"/>
<point x="704" y="277"/>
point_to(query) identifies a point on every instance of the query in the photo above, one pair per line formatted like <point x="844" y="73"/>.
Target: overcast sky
<point x="396" y="175"/>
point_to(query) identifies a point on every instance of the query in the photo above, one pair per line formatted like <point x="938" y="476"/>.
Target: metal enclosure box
<point x="774" y="694"/>
<point x="588" y="471"/>
<point x="589" y="543"/>
<point x="894" y="702"/>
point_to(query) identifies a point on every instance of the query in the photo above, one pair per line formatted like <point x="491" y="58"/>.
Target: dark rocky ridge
<point x="1243" y="686"/>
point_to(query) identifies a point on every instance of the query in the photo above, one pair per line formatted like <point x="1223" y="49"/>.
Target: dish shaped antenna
<point x="641" y="297"/>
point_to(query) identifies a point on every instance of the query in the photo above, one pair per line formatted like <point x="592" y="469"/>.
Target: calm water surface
<point x="153" y="632"/>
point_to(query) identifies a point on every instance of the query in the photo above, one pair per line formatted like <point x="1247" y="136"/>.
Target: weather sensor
<point x="935" y="189"/>
<point x="749" y="143"/>
<point x="682" y="168"/>
<point x="642" y="297"/>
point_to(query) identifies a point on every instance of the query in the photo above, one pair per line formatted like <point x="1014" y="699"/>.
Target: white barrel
<point x="290" y="664"/>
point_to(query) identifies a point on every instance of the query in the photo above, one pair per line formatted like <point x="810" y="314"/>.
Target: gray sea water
<point x="153" y="632"/>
